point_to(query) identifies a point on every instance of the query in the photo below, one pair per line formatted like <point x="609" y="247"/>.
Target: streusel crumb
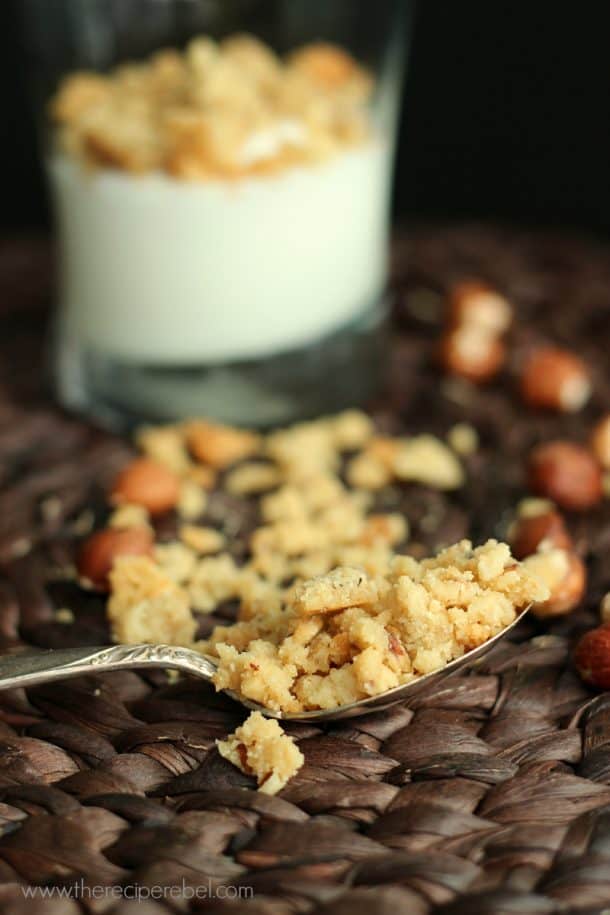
<point x="348" y="635"/>
<point x="260" y="747"/>
<point x="327" y="611"/>
<point x="217" y="110"/>
<point x="146" y="604"/>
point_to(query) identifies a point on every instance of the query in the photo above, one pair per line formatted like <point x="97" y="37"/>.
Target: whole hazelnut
<point x="555" y="379"/>
<point x="148" y="483"/>
<point x="546" y="530"/>
<point x="471" y="353"/>
<point x="99" y="552"/>
<point x="565" y="574"/>
<point x="592" y="657"/>
<point x="567" y="473"/>
<point x="218" y="445"/>
<point x="478" y="304"/>
<point x="600" y="441"/>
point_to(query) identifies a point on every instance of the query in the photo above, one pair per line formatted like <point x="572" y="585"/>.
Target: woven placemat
<point x="489" y="794"/>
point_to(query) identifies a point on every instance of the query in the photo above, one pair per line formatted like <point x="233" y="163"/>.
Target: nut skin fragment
<point x="555" y="379"/>
<point x="567" y="473"/>
<point x="149" y="484"/>
<point x="592" y="657"/>
<point x="99" y="552"/>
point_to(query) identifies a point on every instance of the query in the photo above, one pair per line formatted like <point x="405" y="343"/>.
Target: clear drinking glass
<point x="252" y="293"/>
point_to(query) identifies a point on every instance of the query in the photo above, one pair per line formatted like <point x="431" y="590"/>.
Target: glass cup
<point x="222" y="208"/>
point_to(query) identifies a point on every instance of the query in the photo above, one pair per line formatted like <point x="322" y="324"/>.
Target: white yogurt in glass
<point x="158" y="271"/>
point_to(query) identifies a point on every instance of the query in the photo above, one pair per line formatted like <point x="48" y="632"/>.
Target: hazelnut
<point x="592" y="657"/>
<point x="543" y="531"/>
<point x="555" y="379"/>
<point x="220" y="446"/>
<point x="475" y="303"/>
<point x="567" y="473"/>
<point x="472" y="353"/>
<point x="565" y="574"/>
<point x="148" y="483"/>
<point x="600" y="441"/>
<point x="99" y="551"/>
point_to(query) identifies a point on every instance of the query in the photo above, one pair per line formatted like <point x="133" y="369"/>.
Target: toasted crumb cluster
<point x="328" y="611"/>
<point x="260" y="747"/>
<point x="216" y="110"/>
<point x="348" y="635"/>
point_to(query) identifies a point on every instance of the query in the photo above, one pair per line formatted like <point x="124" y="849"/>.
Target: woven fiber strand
<point x="488" y="794"/>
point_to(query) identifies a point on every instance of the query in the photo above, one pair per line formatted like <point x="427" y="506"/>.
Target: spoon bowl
<point x="34" y="668"/>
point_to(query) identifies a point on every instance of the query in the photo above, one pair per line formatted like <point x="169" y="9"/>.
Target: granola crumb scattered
<point x="192" y="500"/>
<point x="425" y="459"/>
<point x="261" y="748"/>
<point x="327" y="612"/>
<point x="532" y="507"/>
<point x="202" y="539"/>
<point x="252" y="478"/>
<point x="126" y="516"/>
<point x="463" y="439"/>
<point x="146" y="605"/>
<point x="63" y="615"/>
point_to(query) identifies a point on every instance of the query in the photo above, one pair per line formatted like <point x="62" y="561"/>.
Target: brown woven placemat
<point x="490" y="794"/>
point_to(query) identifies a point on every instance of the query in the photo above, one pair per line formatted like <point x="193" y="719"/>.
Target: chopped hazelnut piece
<point x="555" y="379"/>
<point x="202" y="539"/>
<point x="565" y="575"/>
<point x="567" y="473"/>
<point x="475" y="303"/>
<point x="472" y="353"/>
<point x="600" y="441"/>
<point x="220" y="446"/>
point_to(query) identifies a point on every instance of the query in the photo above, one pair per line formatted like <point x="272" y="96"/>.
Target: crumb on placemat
<point x="261" y="748"/>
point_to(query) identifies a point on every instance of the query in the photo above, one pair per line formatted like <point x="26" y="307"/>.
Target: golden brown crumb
<point x="146" y="605"/>
<point x="252" y="478"/>
<point x="260" y="747"/>
<point x="464" y="439"/>
<point x="216" y="111"/>
<point x="192" y="500"/>
<point x="348" y="635"/>
<point x="127" y="515"/>
<point x="202" y="539"/>
<point x="338" y="590"/>
<point x="425" y="459"/>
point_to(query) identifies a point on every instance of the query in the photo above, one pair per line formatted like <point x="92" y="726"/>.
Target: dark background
<point x="506" y="116"/>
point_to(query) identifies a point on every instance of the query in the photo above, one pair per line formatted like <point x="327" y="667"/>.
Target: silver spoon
<point x="29" y="669"/>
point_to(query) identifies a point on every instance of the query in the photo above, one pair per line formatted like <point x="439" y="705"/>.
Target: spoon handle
<point x="31" y="668"/>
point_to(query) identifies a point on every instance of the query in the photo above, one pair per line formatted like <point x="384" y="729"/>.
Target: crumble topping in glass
<point x="224" y="109"/>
